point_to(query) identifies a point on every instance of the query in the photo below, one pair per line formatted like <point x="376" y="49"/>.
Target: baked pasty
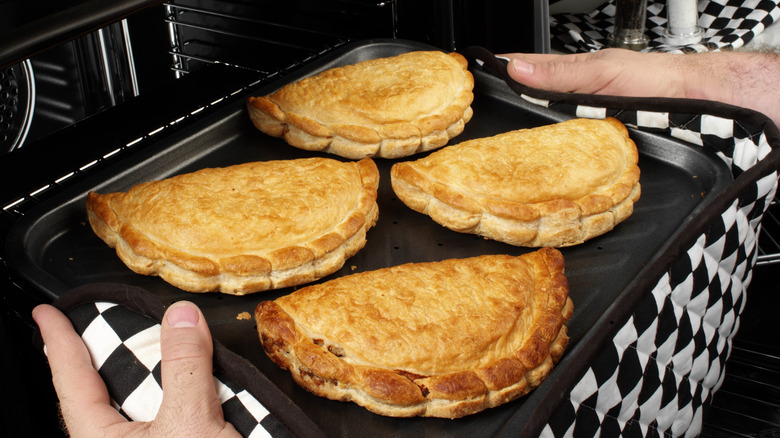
<point x="387" y="107"/>
<point x="556" y="185"/>
<point x="243" y="228"/>
<point x="440" y="339"/>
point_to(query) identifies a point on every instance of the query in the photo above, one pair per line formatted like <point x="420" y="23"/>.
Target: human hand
<point x="744" y="79"/>
<point x="190" y="407"/>
<point x="615" y="72"/>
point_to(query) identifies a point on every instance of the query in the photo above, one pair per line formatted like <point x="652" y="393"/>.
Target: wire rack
<point x="769" y="239"/>
<point x="263" y="35"/>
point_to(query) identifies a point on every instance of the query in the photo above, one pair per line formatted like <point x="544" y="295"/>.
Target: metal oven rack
<point x="260" y="35"/>
<point x="769" y="242"/>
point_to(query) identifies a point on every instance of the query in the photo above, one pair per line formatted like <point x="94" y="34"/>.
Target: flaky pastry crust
<point x="243" y="228"/>
<point x="387" y="107"/>
<point x="556" y="185"/>
<point x="441" y="339"/>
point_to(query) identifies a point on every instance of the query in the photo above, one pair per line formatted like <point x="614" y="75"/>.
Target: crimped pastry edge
<point x="560" y="223"/>
<point x="356" y="142"/>
<point x="399" y="394"/>
<point x="302" y="264"/>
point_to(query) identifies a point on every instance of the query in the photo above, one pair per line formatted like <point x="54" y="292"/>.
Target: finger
<point x="189" y="394"/>
<point x="84" y="399"/>
<point x="538" y="57"/>
<point x="562" y="73"/>
<point x="617" y="72"/>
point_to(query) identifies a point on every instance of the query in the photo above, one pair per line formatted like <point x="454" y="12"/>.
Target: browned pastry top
<point x="386" y="107"/>
<point x="242" y="228"/>
<point x="440" y="339"/>
<point x="554" y="185"/>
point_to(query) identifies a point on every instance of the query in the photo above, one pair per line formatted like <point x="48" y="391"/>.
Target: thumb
<point x="190" y="405"/>
<point x="551" y="73"/>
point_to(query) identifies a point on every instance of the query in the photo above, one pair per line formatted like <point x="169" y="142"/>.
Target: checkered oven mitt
<point x="654" y="366"/>
<point x="727" y="24"/>
<point x="120" y="325"/>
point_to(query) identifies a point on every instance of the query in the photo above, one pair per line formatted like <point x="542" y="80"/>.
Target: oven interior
<point x="77" y="94"/>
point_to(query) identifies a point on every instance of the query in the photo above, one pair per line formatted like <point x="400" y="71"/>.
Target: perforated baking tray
<point x="54" y="249"/>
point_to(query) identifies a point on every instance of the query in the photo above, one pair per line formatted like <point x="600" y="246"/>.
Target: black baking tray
<point x="54" y="249"/>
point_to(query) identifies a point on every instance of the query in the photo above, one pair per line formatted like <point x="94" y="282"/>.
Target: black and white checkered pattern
<point x="125" y="349"/>
<point x="667" y="356"/>
<point x="103" y="328"/>
<point x="727" y="24"/>
<point x="667" y="360"/>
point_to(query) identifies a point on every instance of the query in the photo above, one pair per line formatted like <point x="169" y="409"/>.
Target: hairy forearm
<point x="745" y="79"/>
<point x="742" y="78"/>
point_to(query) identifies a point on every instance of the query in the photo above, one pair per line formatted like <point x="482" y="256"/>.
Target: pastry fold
<point x="556" y="185"/>
<point x="439" y="339"/>
<point x="386" y="107"/>
<point x="243" y="228"/>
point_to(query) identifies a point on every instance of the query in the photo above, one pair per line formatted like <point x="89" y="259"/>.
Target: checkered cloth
<point x="120" y="326"/>
<point x="727" y="24"/>
<point x="664" y="358"/>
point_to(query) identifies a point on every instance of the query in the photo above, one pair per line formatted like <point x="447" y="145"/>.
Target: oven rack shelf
<point x="769" y="241"/>
<point x="259" y="35"/>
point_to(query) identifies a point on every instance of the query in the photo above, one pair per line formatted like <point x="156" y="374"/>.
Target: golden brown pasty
<point x="243" y="228"/>
<point x="387" y="107"/>
<point x="442" y="339"/>
<point x="556" y="185"/>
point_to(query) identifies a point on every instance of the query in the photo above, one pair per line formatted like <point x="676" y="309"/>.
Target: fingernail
<point x="522" y="67"/>
<point x="182" y="314"/>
